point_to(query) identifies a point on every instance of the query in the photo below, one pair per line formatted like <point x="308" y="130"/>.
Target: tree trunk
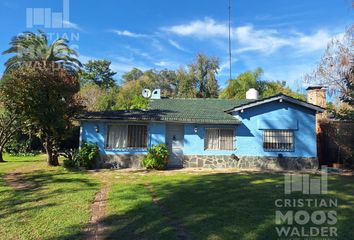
<point x="52" y="158"/>
<point x="1" y="158"/>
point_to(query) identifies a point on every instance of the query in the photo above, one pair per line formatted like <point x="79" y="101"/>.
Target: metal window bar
<point x="278" y="140"/>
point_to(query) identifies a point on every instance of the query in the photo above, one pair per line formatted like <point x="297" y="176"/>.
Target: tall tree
<point x="204" y="70"/>
<point x="132" y="75"/>
<point x="40" y="86"/>
<point x="237" y="88"/>
<point x="186" y="87"/>
<point x="33" y="50"/>
<point x="46" y="99"/>
<point x="99" y="73"/>
<point x="335" y="67"/>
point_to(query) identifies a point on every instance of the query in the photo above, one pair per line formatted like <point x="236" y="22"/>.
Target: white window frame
<point x="278" y="145"/>
<point x="127" y="127"/>
<point x="219" y="139"/>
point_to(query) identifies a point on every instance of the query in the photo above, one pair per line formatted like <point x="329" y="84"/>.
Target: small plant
<point x="85" y="157"/>
<point x="157" y="157"/>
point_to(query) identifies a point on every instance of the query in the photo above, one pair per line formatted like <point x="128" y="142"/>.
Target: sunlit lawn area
<point x="207" y="205"/>
<point x="213" y="205"/>
<point x="56" y="206"/>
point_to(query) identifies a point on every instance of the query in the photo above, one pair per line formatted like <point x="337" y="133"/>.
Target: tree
<point x="270" y="88"/>
<point x="99" y="73"/>
<point x="95" y="98"/>
<point x="44" y="98"/>
<point x="9" y="125"/>
<point x="132" y="75"/>
<point x="186" y="87"/>
<point x="33" y="50"/>
<point x="129" y="96"/>
<point x="335" y="67"/>
<point x="40" y="87"/>
<point x="237" y="88"/>
<point x="204" y="69"/>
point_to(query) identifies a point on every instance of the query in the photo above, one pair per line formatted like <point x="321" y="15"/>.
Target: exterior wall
<point x="248" y="141"/>
<point x="249" y="162"/>
<point x="281" y="115"/>
<point x="119" y="158"/>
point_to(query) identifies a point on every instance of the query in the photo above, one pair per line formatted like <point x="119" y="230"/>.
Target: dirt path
<point x="15" y="180"/>
<point x="181" y="233"/>
<point x="96" y="228"/>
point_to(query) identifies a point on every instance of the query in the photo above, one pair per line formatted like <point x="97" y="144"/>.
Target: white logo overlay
<point x="306" y="211"/>
<point x="48" y="19"/>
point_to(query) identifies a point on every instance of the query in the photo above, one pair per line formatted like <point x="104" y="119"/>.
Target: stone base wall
<point x="249" y="162"/>
<point x="121" y="161"/>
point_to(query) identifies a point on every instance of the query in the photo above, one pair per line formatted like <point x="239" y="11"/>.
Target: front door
<point x="174" y="140"/>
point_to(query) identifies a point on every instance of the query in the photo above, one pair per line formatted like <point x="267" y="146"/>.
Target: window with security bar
<point x="219" y="139"/>
<point x="278" y="140"/>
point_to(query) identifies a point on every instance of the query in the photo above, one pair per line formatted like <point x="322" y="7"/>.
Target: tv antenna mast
<point x="230" y="40"/>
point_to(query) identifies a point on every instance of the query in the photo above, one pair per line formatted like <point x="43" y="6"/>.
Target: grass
<point x="56" y="206"/>
<point x="213" y="206"/>
<point x="207" y="205"/>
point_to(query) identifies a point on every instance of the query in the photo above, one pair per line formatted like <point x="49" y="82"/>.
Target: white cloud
<point x="176" y="45"/>
<point x="72" y="25"/>
<point x="249" y="38"/>
<point x="127" y="33"/>
<point x="200" y="28"/>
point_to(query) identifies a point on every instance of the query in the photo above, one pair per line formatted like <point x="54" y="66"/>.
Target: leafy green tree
<point x="33" y="50"/>
<point x="270" y="88"/>
<point x="9" y="125"/>
<point x="132" y="75"/>
<point x="168" y="83"/>
<point x="186" y="87"/>
<point x="95" y="98"/>
<point x="204" y="69"/>
<point x="237" y="88"/>
<point x="99" y="73"/>
<point x="46" y="99"/>
<point x="129" y="96"/>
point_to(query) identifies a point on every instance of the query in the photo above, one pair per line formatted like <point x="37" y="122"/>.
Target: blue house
<point x="277" y="132"/>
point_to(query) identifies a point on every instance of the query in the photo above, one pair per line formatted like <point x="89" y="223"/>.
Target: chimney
<point x="316" y="95"/>
<point x="252" y="94"/>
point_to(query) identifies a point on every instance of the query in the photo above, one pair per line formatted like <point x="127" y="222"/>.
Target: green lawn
<point x="55" y="207"/>
<point x="207" y="205"/>
<point x="212" y="206"/>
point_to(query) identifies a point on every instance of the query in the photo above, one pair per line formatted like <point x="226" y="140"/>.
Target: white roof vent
<point x="156" y="94"/>
<point x="252" y="94"/>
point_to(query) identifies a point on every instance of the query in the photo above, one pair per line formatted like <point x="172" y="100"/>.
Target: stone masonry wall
<point x="216" y="161"/>
<point x="249" y="162"/>
<point x="120" y="161"/>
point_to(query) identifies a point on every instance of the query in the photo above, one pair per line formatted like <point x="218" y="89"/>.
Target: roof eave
<point x="275" y="98"/>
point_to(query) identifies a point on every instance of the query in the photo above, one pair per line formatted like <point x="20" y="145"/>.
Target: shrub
<point x="156" y="157"/>
<point x="85" y="157"/>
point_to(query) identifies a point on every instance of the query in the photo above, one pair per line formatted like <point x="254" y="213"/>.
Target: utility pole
<point x="230" y="39"/>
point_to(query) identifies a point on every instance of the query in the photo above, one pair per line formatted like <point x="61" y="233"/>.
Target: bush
<point x="156" y="158"/>
<point x="85" y="157"/>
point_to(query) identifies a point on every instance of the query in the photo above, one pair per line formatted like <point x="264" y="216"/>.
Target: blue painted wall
<point x="249" y="134"/>
<point x="156" y="135"/>
<point x="280" y="115"/>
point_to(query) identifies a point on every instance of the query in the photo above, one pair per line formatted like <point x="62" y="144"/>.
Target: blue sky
<point x="284" y="37"/>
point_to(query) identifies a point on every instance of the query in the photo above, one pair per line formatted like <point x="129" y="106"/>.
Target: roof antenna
<point x="230" y="39"/>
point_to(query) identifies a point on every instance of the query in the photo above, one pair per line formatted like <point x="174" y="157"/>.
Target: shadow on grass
<point x="213" y="206"/>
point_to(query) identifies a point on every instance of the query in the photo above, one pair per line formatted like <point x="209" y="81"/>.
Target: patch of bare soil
<point x="16" y="181"/>
<point x="96" y="228"/>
